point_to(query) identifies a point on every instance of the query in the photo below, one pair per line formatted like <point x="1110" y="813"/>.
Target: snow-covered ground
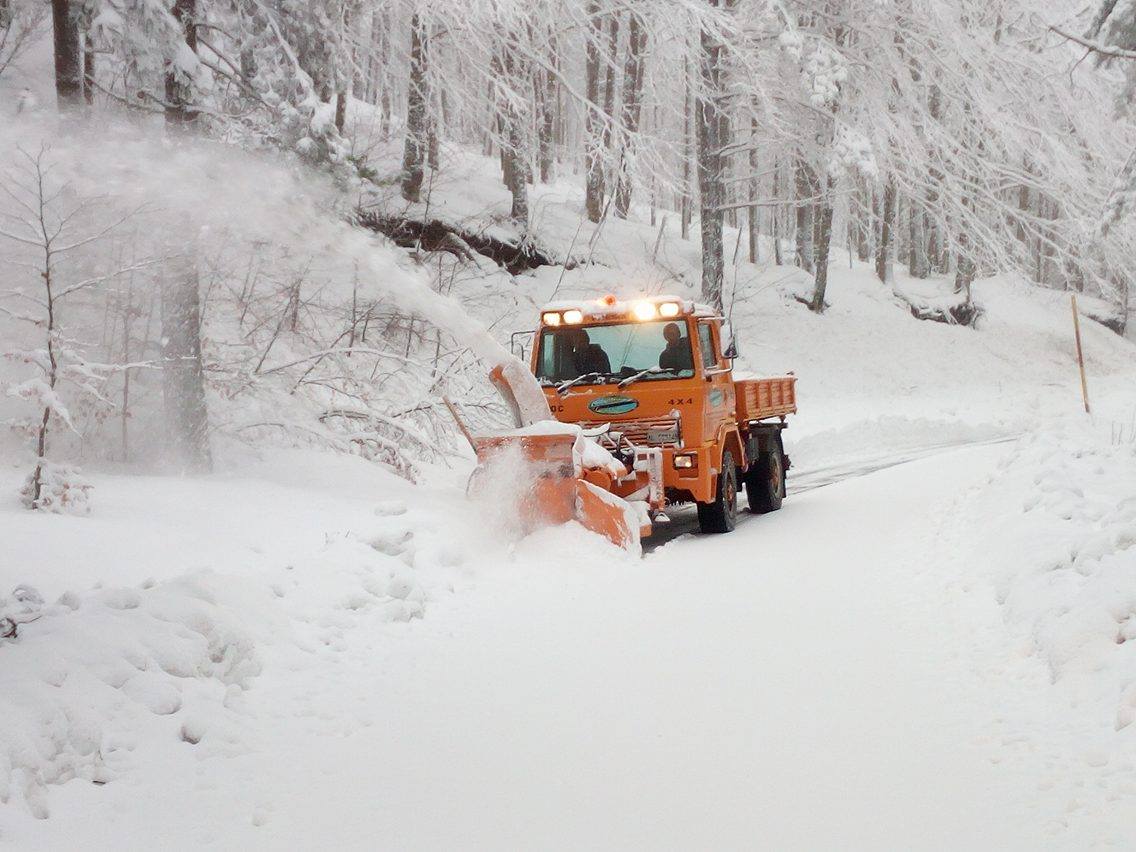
<point x="838" y="674"/>
<point x="308" y="651"/>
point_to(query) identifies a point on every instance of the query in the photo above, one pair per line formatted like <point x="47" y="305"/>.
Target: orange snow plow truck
<point x="650" y="416"/>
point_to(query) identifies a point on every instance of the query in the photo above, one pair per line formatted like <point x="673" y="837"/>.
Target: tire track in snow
<point x="684" y="519"/>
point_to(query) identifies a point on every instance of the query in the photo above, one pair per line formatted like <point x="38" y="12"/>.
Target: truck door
<point x="718" y="375"/>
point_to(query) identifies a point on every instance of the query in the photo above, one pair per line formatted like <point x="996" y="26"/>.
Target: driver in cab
<point x="588" y="357"/>
<point x="676" y="355"/>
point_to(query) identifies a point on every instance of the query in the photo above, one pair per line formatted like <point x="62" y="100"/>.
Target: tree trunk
<point x="611" y="54"/>
<point x="513" y="154"/>
<point x="183" y="380"/>
<point x="593" y="155"/>
<point x="382" y="82"/>
<point x="340" y="110"/>
<point x="547" y="118"/>
<point x="804" y="181"/>
<point x="964" y="267"/>
<point x="344" y="76"/>
<point x="824" y="244"/>
<point x="1023" y="204"/>
<point x="887" y="228"/>
<point x="753" y="225"/>
<point x="632" y="109"/>
<point x="916" y="252"/>
<point x="179" y="89"/>
<point x="432" y="154"/>
<point x="88" y="69"/>
<point x="68" y="59"/>
<point x="709" y="125"/>
<point x="777" y="258"/>
<point x="414" y="150"/>
<point x="861" y="214"/>
<point x="687" y="154"/>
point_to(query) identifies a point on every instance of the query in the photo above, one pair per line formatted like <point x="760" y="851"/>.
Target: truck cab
<point x="653" y="379"/>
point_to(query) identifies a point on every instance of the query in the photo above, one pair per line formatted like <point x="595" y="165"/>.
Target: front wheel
<point x="765" y="481"/>
<point x="721" y="516"/>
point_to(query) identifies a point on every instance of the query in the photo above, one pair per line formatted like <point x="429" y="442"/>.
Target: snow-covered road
<point x="807" y="682"/>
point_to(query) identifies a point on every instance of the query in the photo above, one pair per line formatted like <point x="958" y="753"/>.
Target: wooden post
<point x="1080" y="354"/>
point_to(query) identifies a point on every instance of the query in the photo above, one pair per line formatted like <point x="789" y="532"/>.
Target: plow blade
<point x="540" y="475"/>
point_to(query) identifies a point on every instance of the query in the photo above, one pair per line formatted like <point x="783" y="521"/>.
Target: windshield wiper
<point x="562" y="388"/>
<point x="642" y="373"/>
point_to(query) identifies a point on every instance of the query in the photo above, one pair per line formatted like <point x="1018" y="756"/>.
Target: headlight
<point x="669" y="309"/>
<point x="573" y="317"/>
<point x="685" y="462"/>
<point x="550" y="318"/>
<point x="644" y="311"/>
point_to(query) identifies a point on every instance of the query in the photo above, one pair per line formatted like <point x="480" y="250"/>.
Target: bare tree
<point x="19" y="28"/>
<point x="46" y="231"/>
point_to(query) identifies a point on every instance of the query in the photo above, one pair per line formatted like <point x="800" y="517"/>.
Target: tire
<point x="721" y="516"/>
<point x="765" y="481"/>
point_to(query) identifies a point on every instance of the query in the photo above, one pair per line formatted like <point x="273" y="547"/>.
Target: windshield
<point x="615" y="352"/>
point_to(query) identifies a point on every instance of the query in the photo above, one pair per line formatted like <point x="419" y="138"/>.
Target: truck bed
<point x="760" y="399"/>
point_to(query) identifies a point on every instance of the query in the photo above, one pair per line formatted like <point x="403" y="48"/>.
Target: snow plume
<point x="313" y="332"/>
<point x="502" y="487"/>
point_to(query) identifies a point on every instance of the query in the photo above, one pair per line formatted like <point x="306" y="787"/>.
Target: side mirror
<point x="730" y="345"/>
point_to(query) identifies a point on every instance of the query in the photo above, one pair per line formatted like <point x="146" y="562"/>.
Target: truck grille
<point x="646" y="431"/>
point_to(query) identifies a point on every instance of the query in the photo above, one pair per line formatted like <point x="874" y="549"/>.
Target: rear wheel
<point x="765" y="481"/>
<point x="721" y="516"/>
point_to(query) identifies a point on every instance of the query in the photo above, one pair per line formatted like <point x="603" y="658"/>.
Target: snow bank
<point x="118" y="679"/>
<point x="87" y="680"/>
<point x="1054" y="530"/>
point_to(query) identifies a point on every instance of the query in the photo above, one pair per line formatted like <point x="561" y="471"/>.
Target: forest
<point x="958" y="140"/>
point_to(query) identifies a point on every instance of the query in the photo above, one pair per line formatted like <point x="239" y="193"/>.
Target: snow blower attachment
<point x="550" y="473"/>
<point x="550" y="484"/>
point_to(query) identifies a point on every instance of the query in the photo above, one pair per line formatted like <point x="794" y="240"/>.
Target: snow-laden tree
<point x="22" y="22"/>
<point x="43" y="229"/>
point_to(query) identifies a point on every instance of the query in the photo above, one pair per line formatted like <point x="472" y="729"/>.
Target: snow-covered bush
<point x="23" y="605"/>
<point x="58" y="488"/>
